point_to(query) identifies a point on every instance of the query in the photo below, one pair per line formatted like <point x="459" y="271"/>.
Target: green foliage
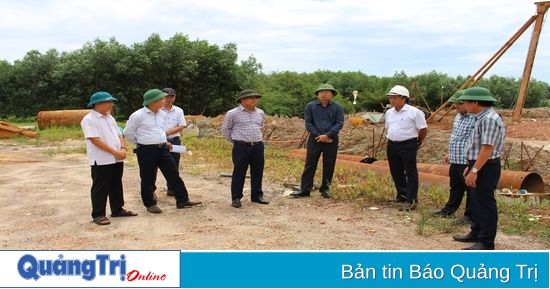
<point x="208" y="79"/>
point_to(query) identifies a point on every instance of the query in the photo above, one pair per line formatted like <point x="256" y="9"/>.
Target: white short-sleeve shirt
<point x="104" y="127"/>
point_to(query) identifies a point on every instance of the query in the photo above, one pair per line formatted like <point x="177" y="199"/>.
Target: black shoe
<point x="462" y="221"/>
<point x="260" y="200"/>
<point x="479" y="246"/>
<point x="397" y="200"/>
<point x="299" y="194"/>
<point x="236" y="203"/>
<point x="170" y="193"/>
<point x="442" y="213"/>
<point x="465" y="238"/>
<point x="325" y="194"/>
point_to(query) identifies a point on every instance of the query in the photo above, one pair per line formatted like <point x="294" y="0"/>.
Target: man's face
<point x="397" y="101"/>
<point x="169" y="100"/>
<point x="249" y="102"/>
<point x="154" y="106"/>
<point x="460" y="108"/>
<point x="104" y="106"/>
<point x="471" y="106"/>
<point x="325" y="95"/>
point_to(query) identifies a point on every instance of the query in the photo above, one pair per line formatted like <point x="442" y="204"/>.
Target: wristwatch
<point x="474" y="171"/>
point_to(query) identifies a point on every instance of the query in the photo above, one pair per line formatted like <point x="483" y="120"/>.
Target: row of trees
<point x="207" y="79"/>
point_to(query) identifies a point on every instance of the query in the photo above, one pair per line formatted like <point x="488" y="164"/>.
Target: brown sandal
<point x="124" y="213"/>
<point x="102" y="221"/>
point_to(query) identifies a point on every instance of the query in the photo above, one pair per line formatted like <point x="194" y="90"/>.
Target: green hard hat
<point x="456" y="96"/>
<point x="326" y="86"/>
<point x="477" y="93"/>
<point x="248" y="93"/>
<point x="152" y="96"/>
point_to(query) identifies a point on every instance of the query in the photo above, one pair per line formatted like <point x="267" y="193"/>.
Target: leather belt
<point x="160" y="145"/>
<point x="403" y="141"/>
<point x="489" y="161"/>
<point x="172" y="139"/>
<point x="248" y="143"/>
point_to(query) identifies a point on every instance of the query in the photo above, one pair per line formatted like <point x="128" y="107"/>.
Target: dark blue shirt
<point x="321" y="120"/>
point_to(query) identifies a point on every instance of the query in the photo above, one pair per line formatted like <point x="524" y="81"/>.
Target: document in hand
<point x="178" y="149"/>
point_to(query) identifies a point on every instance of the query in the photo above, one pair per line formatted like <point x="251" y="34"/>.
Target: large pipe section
<point x="529" y="181"/>
<point x="423" y="178"/>
<point x="61" y="118"/>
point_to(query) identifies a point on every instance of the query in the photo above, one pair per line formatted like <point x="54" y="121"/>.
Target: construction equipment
<point x="542" y="8"/>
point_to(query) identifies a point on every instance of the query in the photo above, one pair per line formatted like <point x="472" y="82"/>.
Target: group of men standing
<point x="474" y="151"/>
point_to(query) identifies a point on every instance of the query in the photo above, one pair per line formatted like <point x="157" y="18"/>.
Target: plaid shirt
<point x="489" y="130"/>
<point x="240" y="124"/>
<point x="462" y="128"/>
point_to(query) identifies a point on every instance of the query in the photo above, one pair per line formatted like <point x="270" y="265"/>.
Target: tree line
<point x="208" y="78"/>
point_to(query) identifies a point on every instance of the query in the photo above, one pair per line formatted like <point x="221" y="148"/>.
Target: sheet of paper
<point x="178" y="149"/>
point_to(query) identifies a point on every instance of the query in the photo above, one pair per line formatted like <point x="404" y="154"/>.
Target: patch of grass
<point x="64" y="150"/>
<point x="56" y="134"/>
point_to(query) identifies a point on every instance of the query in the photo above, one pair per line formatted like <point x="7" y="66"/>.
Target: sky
<point x="375" y="37"/>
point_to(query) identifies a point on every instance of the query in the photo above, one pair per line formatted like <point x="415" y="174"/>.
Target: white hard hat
<point x="399" y="90"/>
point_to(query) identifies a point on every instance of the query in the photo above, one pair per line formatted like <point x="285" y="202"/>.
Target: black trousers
<point x="313" y="153"/>
<point x="484" y="204"/>
<point x="458" y="188"/>
<point x="403" y="169"/>
<point x="107" y="182"/>
<point x="245" y="155"/>
<point x="152" y="158"/>
<point x="176" y="156"/>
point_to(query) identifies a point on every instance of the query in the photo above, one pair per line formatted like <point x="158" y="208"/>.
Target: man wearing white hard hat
<point x="407" y="129"/>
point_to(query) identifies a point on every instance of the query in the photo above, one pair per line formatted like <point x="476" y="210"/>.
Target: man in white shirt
<point x="145" y="129"/>
<point x="106" y="153"/>
<point x="175" y="123"/>
<point x="407" y="129"/>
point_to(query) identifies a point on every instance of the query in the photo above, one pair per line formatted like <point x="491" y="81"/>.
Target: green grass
<point x="363" y="189"/>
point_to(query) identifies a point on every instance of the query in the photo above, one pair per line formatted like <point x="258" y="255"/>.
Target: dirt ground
<point x="46" y="205"/>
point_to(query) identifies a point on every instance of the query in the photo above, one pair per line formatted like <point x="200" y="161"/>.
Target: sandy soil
<point x="46" y="205"/>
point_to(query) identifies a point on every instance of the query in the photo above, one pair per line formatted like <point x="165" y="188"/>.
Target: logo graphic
<point x="31" y="268"/>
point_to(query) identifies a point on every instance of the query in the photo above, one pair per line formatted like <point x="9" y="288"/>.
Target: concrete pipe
<point x="61" y="118"/>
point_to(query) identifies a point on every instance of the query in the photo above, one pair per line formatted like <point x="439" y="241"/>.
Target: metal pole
<point x="542" y="7"/>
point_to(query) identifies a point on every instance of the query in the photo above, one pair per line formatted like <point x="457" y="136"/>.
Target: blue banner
<point x="359" y="269"/>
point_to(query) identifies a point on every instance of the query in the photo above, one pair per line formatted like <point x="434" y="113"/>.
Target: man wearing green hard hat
<point x="243" y="126"/>
<point x="145" y="129"/>
<point x="462" y="128"/>
<point x="482" y="153"/>
<point x="106" y="154"/>
<point x="324" y="119"/>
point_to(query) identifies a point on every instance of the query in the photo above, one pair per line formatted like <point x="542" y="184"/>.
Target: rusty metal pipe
<point x="424" y="179"/>
<point x="532" y="182"/>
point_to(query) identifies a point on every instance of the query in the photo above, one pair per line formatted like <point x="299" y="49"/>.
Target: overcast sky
<point x="375" y="37"/>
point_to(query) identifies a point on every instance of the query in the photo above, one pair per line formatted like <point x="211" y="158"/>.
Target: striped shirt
<point x="489" y="129"/>
<point x="462" y="128"/>
<point x="240" y="124"/>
